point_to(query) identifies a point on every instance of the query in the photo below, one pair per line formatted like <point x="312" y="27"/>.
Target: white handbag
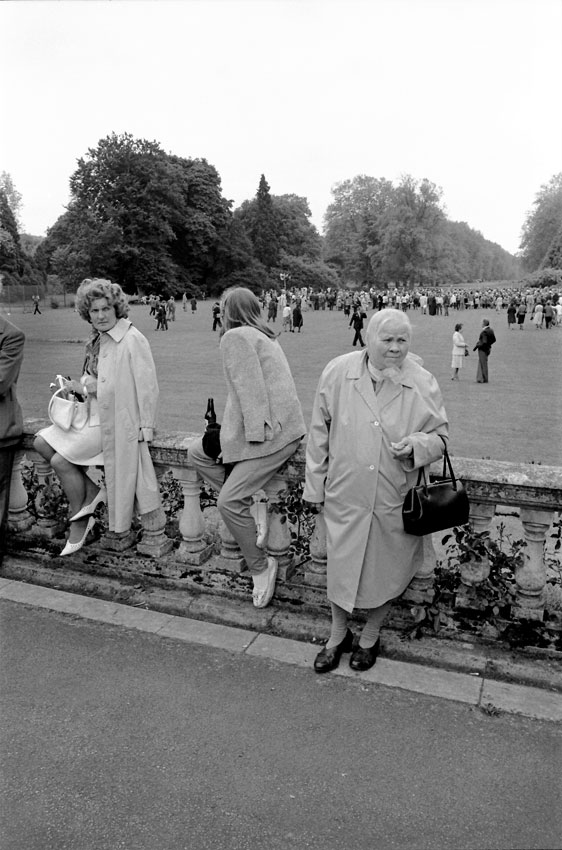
<point x="67" y="413"/>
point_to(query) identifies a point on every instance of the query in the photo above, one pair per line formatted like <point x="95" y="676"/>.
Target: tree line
<point x="156" y="222"/>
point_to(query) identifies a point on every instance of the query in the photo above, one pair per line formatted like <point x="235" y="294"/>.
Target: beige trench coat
<point x="349" y="467"/>
<point x="262" y="413"/>
<point x="127" y="395"/>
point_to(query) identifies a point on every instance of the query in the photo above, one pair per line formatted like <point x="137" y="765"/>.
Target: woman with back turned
<point x="262" y="426"/>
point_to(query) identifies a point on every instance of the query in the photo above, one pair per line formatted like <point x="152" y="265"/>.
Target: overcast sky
<point x="466" y="93"/>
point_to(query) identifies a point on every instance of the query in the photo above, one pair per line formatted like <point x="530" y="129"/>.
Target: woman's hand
<point x="69" y="386"/>
<point x="89" y="384"/>
<point x="402" y="450"/>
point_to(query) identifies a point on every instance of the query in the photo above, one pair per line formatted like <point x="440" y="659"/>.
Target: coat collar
<point x="119" y="329"/>
<point x="357" y="371"/>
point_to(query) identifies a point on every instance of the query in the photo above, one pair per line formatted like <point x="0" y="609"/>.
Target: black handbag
<point x="441" y="504"/>
<point x="212" y="435"/>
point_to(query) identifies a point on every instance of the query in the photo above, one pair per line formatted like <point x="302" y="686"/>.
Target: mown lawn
<point x="516" y="417"/>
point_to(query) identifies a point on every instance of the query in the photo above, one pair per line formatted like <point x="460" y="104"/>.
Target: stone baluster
<point x="315" y="568"/>
<point x="19" y="518"/>
<point x="474" y="572"/>
<point x="194" y="548"/>
<point x="477" y="569"/>
<point x="420" y="588"/>
<point x="154" y="541"/>
<point x="530" y="576"/>
<point x="278" y="539"/>
<point x="47" y="525"/>
<point x="230" y="550"/>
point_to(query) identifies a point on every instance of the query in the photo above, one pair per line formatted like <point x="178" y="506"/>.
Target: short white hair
<point x="381" y="316"/>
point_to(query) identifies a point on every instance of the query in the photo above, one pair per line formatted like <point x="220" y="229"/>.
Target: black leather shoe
<point x="328" y="659"/>
<point x="363" y="659"/>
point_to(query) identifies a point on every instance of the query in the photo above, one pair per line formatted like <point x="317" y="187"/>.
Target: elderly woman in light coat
<point x="378" y="416"/>
<point x="120" y="386"/>
<point x="261" y="429"/>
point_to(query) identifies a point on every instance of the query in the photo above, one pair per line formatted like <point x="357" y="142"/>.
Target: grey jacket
<point x="11" y="357"/>
<point x="262" y="412"/>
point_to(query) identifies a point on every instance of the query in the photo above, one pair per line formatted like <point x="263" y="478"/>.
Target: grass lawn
<point x="516" y="417"/>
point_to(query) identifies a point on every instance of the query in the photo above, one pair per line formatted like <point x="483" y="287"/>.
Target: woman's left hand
<point x="402" y="450"/>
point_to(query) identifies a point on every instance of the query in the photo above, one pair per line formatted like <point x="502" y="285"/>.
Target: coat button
<point x="375" y="423"/>
<point x="371" y="467"/>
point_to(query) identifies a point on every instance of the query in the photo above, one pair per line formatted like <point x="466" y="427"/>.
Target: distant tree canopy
<point x="377" y="233"/>
<point x="155" y="222"/>
<point x="144" y="218"/>
<point x="284" y="241"/>
<point x="17" y="263"/>
<point x="541" y="240"/>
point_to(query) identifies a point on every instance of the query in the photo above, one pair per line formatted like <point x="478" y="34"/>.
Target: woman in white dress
<point x="119" y="382"/>
<point x="460" y="350"/>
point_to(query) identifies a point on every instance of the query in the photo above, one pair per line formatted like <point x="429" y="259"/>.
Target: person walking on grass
<point x="216" y="316"/>
<point x="357" y="321"/>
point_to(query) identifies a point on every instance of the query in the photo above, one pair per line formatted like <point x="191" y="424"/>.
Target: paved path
<point x="126" y="728"/>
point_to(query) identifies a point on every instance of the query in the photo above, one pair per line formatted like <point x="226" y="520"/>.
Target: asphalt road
<point x="113" y="738"/>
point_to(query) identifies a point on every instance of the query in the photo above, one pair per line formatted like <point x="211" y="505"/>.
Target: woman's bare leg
<point x="74" y="481"/>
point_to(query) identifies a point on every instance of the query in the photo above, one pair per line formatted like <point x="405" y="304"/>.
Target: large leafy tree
<point x="541" y="241"/>
<point x="377" y="233"/>
<point x="412" y="236"/>
<point x="148" y="219"/>
<point x="352" y="227"/>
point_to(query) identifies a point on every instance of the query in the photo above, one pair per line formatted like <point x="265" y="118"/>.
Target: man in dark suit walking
<point x="484" y="345"/>
<point x="11" y="421"/>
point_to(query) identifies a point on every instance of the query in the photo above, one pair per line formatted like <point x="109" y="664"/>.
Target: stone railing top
<point x="487" y="481"/>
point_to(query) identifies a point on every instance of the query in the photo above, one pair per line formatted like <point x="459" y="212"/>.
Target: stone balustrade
<point x="534" y="490"/>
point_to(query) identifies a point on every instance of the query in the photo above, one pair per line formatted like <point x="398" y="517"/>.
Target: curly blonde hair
<point x="93" y="288"/>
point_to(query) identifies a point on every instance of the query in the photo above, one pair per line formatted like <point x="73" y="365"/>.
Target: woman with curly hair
<point x="119" y="384"/>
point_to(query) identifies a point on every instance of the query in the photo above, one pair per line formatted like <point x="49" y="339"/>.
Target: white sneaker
<point x="264" y="584"/>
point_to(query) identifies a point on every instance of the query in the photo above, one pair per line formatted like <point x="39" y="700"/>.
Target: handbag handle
<point x="422" y="480"/>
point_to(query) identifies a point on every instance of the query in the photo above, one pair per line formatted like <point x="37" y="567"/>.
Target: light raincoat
<point x="350" y="469"/>
<point x="127" y="394"/>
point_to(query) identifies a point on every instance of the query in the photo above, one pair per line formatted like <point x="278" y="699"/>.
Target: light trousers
<point x="235" y="494"/>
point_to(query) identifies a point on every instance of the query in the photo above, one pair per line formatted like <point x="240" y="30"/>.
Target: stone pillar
<point x="19" y="518"/>
<point x="49" y="524"/>
<point x="420" y="588"/>
<point x="530" y="576"/>
<point x="230" y="550"/>
<point x="279" y="533"/>
<point x="315" y="569"/>
<point x="118" y="541"/>
<point x="474" y="572"/>
<point x="194" y="547"/>
<point x="154" y="541"/>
